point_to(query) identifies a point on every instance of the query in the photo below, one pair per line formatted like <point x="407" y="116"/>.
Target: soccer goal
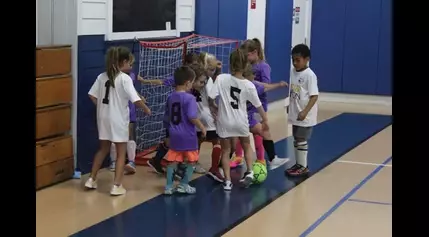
<point x="158" y="60"/>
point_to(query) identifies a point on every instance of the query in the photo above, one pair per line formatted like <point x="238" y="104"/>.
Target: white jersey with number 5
<point x="113" y="115"/>
<point x="233" y="94"/>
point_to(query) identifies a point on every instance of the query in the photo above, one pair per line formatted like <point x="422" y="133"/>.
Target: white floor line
<point x="362" y="163"/>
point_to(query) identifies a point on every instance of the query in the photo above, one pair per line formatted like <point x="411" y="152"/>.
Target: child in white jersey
<point x="234" y="91"/>
<point x="262" y="74"/>
<point x="110" y="93"/>
<point x="303" y="106"/>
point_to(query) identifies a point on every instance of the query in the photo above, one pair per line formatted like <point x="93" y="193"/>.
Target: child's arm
<point x="273" y="86"/>
<point x="192" y="113"/>
<point x="93" y="92"/>
<point x="313" y="90"/>
<point x="265" y="73"/>
<point x="256" y="102"/>
<point x="133" y="96"/>
<point x="93" y="99"/>
<point x="149" y="81"/>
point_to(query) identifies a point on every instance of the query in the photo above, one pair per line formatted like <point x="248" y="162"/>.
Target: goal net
<point x="157" y="61"/>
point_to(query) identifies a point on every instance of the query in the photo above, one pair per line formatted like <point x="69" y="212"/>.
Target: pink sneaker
<point x="236" y="161"/>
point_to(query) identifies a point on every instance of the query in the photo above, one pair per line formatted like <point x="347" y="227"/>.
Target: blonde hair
<point x="204" y="59"/>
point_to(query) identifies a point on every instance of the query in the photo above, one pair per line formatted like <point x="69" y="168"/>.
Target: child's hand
<point x="139" y="78"/>
<point x="265" y="126"/>
<point x="283" y="84"/>
<point x="147" y="111"/>
<point x="302" y="115"/>
<point x="203" y="133"/>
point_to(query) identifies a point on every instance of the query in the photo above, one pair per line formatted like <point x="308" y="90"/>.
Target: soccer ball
<point x="260" y="172"/>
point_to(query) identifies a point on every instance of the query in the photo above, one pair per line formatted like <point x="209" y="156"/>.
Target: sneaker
<point x="292" y="168"/>
<point x="221" y="172"/>
<point x="216" y="175"/>
<point x="186" y="189"/>
<point x="130" y="168"/>
<point x="169" y="190"/>
<point x="236" y="161"/>
<point x="199" y="170"/>
<point x="247" y="179"/>
<point x="157" y="168"/>
<point x="91" y="184"/>
<point x="299" y="171"/>
<point x="112" y="166"/>
<point x="227" y="185"/>
<point x="277" y="162"/>
<point x="117" y="190"/>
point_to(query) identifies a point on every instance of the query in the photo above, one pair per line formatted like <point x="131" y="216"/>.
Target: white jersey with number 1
<point x="232" y="120"/>
<point x="113" y="114"/>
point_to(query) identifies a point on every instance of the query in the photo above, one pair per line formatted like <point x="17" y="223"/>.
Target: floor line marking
<point x="344" y="199"/>
<point x="363" y="163"/>
<point x="370" y="202"/>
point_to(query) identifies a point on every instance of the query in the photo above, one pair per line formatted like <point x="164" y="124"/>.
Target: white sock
<point x="301" y="151"/>
<point x="131" y="150"/>
<point x="112" y="153"/>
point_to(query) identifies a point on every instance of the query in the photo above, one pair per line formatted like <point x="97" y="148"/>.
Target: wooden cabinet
<point x="54" y="144"/>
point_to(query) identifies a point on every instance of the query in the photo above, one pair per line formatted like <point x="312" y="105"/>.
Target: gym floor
<point x="349" y="192"/>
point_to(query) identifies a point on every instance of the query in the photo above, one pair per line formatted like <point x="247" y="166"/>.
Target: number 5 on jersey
<point x="234" y="93"/>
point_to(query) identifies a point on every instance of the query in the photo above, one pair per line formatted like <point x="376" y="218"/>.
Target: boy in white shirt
<point x="303" y="107"/>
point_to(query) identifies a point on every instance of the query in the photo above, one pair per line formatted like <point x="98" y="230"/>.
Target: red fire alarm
<point x="253" y="4"/>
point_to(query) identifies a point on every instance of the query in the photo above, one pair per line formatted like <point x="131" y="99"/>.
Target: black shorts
<point x="167" y="133"/>
<point x="210" y="135"/>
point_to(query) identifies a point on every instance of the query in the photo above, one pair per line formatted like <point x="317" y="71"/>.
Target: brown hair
<point x="252" y="45"/>
<point x="248" y="72"/>
<point x="198" y="69"/>
<point x="115" y="56"/>
<point x="183" y="74"/>
<point x="190" y="58"/>
<point x="237" y="61"/>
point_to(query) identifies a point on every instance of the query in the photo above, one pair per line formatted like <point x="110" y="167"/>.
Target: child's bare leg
<point x="268" y="145"/>
<point x="121" y="151"/>
<point x="225" y="144"/>
<point x="102" y="152"/>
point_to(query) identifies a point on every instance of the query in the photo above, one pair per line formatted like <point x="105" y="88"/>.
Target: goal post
<point x="157" y="61"/>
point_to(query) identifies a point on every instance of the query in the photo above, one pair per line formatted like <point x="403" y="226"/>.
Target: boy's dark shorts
<point x="302" y="132"/>
<point x="210" y="135"/>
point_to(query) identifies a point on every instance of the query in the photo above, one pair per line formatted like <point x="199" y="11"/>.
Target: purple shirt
<point x="261" y="90"/>
<point x="133" y="116"/>
<point x="181" y="108"/>
<point x="262" y="72"/>
<point x="169" y="81"/>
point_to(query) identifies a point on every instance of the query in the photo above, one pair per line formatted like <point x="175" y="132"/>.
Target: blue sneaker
<point x="130" y="168"/>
